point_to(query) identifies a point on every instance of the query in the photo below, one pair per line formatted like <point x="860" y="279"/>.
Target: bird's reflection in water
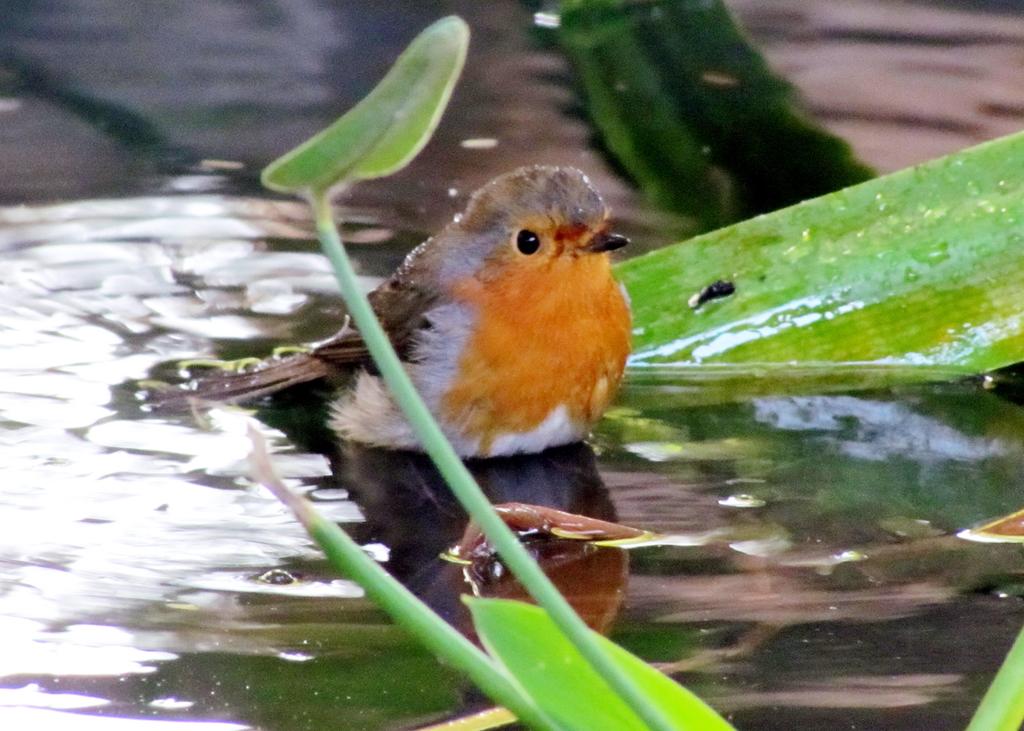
<point x="410" y="509"/>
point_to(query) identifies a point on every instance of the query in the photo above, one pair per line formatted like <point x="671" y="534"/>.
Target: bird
<point x="509" y="322"/>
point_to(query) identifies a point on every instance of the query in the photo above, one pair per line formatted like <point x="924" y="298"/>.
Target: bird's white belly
<point x="369" y="415"/>
<point x="558" y="428"/>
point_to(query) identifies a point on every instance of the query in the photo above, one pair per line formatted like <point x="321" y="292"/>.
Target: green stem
<point x="1002" y="708"/>
<point x="461" y="481"/>
<point x="407" y="610"/>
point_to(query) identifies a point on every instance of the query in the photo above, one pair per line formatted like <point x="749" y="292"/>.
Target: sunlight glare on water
<point x="111" y="513"/>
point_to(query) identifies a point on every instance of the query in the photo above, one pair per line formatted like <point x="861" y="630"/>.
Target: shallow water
<point x="813" y="577"/>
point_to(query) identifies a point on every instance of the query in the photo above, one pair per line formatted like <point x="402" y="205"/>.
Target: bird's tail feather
<point x="224" y="386"/>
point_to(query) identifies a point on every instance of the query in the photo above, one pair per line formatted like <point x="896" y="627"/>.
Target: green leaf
<point x="921" y="267"/>
<point x="482" y="721"/>
<point x="1002" y="707"/>
<point x="406" y="609"/>
<point x="385" y="130"/>
<point x="379" y="136"/>
<point x="691" y="111"/>
<point x="550" y="670"/>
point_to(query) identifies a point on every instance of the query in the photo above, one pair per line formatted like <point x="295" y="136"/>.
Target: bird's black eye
<point x="527" y="242"/>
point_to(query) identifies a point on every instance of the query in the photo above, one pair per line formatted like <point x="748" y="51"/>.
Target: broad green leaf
<point x="693" y="113"/>
<point x="921" y="267"/>
<point x="385" y="130"/>
<point x="550" y="670"/>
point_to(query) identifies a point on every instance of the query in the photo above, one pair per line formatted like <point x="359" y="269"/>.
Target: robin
<point x="509" y="321"/>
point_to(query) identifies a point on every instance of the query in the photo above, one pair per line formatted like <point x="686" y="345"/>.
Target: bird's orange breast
<point x="548" y="336"/>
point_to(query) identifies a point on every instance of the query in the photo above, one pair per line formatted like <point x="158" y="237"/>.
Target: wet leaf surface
<point x="917" y="268"/>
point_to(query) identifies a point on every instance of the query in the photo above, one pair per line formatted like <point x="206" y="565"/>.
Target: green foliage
<point x="379" y="136"/>
<point x="384" y="131"/>
<point x="693" y="113"/>
<point x="408" y="611"/>
<point x="532" y="649"/>
<point x="1002" y="708"/>
<point x="919" y="268"/>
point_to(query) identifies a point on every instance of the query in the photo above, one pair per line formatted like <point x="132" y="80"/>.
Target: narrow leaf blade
<point x="385" y="130"/>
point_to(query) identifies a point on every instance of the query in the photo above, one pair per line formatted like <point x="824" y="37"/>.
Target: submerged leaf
<point x="918" y="268"/>
<point x="694" y="114"/>
<point x="525" y="640"/>
<point x="385" y="130"/>
<point x="1008" y="529"/>
<point x="491" y="718"/>
<point x="577" y="553"/>
<point x="539" y="520"/>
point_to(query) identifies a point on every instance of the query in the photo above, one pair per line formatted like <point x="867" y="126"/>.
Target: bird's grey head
<point x="557" y="205"/>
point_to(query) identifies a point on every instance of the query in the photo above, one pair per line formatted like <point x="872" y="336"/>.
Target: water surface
<point x="815" y="577"/>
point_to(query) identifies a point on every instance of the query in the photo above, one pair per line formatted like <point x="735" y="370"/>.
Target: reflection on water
<point x="816" y="579"/>
<point x="143" y="575"/>
<point x="407" y="507"/>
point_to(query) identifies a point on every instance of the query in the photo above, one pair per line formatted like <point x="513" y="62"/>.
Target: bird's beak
<point x="603" y="242"/>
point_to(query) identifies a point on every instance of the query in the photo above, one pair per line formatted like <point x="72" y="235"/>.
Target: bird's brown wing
<point x="401" y="307"/>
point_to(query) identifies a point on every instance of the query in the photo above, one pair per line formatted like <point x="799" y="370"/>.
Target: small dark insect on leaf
<point x="713" y="291"/>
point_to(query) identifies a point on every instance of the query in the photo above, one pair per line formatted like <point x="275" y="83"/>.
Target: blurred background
<point x="103" y="98"/>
